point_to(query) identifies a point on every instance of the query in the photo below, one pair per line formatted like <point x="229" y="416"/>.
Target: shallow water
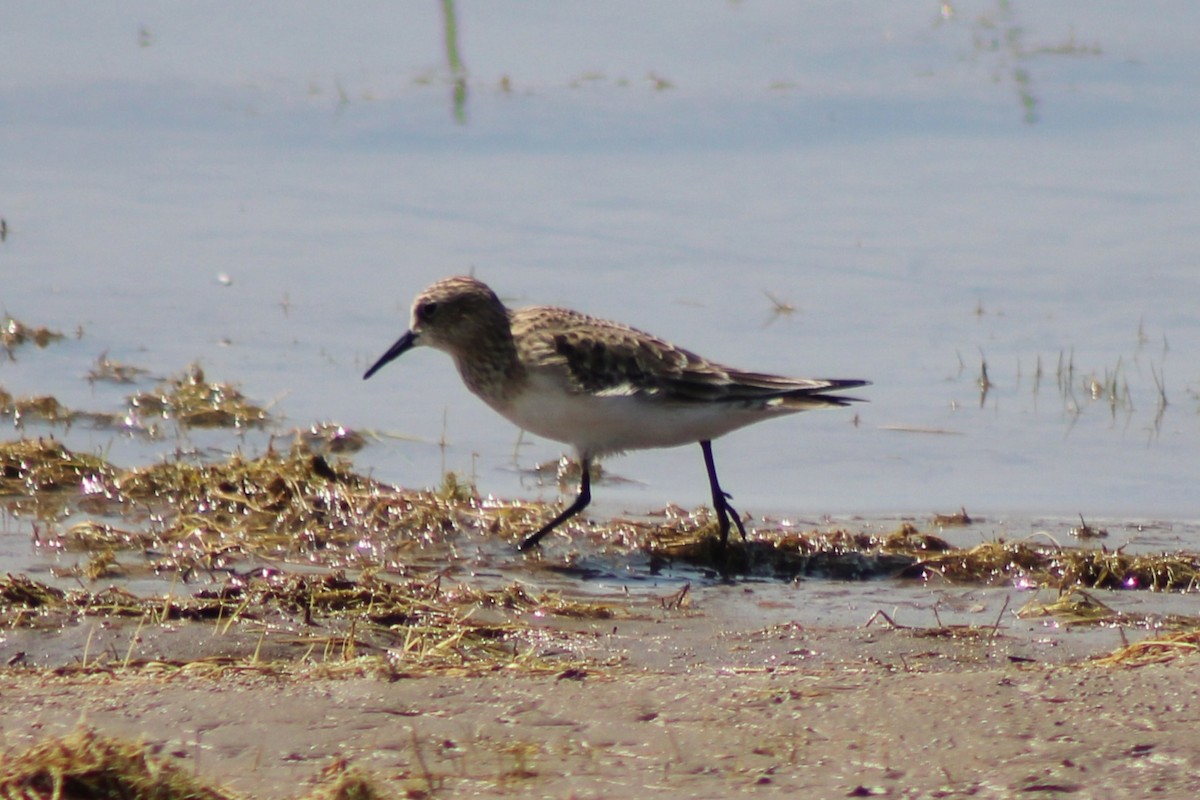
<point x="892" y="194"/>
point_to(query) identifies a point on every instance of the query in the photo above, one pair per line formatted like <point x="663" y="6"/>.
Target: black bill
<point x="402" y="344"/>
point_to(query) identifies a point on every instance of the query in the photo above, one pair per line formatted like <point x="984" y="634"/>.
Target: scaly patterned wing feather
<point x="609" y="359"/>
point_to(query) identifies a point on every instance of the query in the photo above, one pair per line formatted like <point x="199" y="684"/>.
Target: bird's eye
<point x="427" y="310"/>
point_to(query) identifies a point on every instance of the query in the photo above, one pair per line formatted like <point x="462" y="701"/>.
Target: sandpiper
<point x="597" y="385"/>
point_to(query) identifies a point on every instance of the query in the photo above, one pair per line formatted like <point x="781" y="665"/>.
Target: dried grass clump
<point x="1157" y="650"/>
<point x="192" y="401"/>
<point x="189" y="400"/>
<point x="93" y="536"/>
<point x="284" y="503"/>
<point x="324" y="619"/>
<point x="33" y="466"/>
<point x="89" y="766"/>
<point x="994" y="562"/>
<point x="907" y="539"/>
<point x="990" y="562"/>
<point x="340" y="781"/>
<point x="280" y="504"/>
<point x="1072" y="607"/>
<point x="1106" y="569"/>
<point x="18" y="591"/>
<point x="516" y="597"/>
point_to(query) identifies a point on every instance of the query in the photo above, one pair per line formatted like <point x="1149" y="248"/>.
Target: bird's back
<point x="607" y="359"/>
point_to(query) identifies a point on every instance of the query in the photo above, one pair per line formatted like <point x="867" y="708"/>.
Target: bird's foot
<point x="724" y="512"/>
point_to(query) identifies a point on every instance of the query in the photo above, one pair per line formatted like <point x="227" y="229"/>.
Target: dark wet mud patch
<point x="834" y="555"/>
<point x="913" y="555"/>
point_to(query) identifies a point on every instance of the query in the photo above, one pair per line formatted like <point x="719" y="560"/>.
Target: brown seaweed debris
<point x="92" y="535"/>
<point x="279" y="504"/>
<point x="908" y="553"/>
<point x="990" y="562"/>
<point x="1024" y="563"/>
<point x="43" y="407"/>
<point x="958" y="518"/>
<point x="111" y="371"/>
<point x="14" y="333"/>
<point x="21" y="592"/>
<point x="48" y="409"/>
<point x="907" y="539"/>
<point x="284" y="503"/>
<point x="329" y="437"/>
<point x="32" y="466"/>
<point x="340" y="781"/>
<point x="1085" y="531"/>
<point x="841" y="555"/>
<point x="193" y="401"/>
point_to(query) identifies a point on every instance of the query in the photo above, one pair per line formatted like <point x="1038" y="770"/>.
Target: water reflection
<point x="458" y="71"/>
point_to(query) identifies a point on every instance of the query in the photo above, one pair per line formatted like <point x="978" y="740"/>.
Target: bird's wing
<point x="609" y="359"/>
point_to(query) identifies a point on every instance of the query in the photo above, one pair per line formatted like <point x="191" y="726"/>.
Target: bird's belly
<point x="598" y="425"/>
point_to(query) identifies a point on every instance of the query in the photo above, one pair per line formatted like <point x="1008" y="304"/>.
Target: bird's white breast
<point x="600" y="424"/>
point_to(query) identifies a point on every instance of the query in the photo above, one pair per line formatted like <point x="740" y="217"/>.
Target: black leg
<point x="720" y="497"/>
<point x="585" y="497"/>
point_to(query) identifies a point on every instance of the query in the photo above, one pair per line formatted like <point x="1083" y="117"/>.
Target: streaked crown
<point x="455" y="314"/>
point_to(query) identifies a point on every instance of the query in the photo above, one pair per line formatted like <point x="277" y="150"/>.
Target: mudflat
<point x="681" y="704"/>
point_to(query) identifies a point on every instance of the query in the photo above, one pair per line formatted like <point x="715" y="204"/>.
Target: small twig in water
<point x="881" y="614"/>
<point x="1000" y="616"/>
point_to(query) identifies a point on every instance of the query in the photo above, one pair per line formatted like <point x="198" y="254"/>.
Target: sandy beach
<point x="672" y="706"/>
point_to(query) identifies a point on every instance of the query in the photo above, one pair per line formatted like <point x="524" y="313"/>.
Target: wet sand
<point x="677" y="704"/>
